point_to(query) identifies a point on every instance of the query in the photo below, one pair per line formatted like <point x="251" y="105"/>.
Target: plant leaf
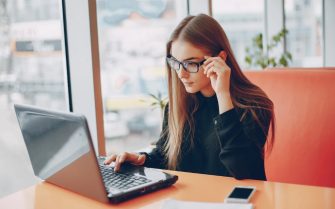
<point x="283" y="61"/>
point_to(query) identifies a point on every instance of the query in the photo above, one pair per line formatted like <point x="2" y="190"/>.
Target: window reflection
<point x="132" y="38"/>
<point x="31" y="72"/>
<point x="304" y="40"/>
<point x="242" y="20"/>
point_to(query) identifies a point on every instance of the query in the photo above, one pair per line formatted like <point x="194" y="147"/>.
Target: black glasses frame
<point x="185" y="64"/>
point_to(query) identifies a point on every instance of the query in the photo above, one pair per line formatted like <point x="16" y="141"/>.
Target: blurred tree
<point x="256" y="58"/>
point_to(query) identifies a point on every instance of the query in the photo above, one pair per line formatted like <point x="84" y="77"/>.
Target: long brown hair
<point x="206" y="33"/>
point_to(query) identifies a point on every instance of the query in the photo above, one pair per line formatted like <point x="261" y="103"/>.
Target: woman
<point x="216" y="121"/>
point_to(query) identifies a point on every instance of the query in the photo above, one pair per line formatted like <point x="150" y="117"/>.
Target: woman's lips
<point x="188" y="83"/>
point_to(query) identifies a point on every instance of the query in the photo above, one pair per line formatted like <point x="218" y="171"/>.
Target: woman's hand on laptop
<point x="133" y="158"/>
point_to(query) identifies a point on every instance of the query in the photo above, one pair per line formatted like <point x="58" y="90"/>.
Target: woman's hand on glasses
<point x="219" y="73"/>
<point x="133" y="158"/>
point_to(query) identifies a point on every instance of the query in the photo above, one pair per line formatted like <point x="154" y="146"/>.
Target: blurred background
<point x="132" y="38"/>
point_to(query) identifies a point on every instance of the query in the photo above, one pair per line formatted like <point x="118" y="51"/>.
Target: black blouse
<point x="222" y="145"/>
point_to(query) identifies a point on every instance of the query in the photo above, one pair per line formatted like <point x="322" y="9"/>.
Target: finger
<point x="135" y="158"/>
<point x="120" y="159"/>
<point x="215" y="61"/>
<point x="208" y="60"/>
<point x="211" y="59"/>
<point x="123" y="157"/>
<point x="132" y="158"/>
<point x="205" y="68"/>
<point x="218" y="60"/>
<point x="220" y="67"/>
<point x="208" y="66"/>
<point x="210" y="71"/>
<point x="117" y="163"/>
<point x="110" y="159"/>
<point x="215" y="69"/>
<point x="140" y="160"/>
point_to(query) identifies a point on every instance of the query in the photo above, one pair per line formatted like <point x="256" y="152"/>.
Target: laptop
<point x="61" y="152"/>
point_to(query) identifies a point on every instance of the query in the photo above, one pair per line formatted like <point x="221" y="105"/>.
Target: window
<point x="31" y="72"/>
<point x="304" y="40"/>
<point x="132" y="39"/>
<point x="242" y="20"/>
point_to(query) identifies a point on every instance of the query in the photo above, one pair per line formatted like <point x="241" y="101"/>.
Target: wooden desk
<point x="193" y="187"/>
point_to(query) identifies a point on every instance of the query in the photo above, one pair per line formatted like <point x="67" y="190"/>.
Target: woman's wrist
<point x="225" y="102"/>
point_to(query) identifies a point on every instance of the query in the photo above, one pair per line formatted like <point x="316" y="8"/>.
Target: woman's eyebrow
<point x="191" y="58"/>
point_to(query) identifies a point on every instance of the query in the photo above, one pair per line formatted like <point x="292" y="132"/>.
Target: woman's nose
<point x="182" y="73"/>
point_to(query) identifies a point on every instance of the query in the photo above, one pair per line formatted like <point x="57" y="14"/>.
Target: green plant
<point x="255" y="56"/>
<point x="157" y="101"/>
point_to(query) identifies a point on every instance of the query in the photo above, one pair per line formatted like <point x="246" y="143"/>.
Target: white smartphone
<point x="240" y="194"/>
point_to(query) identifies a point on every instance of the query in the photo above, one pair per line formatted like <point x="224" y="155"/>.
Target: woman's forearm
<point x="225" y="102"/>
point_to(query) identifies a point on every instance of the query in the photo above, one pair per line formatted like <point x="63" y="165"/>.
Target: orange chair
<point x="304" y="148"/>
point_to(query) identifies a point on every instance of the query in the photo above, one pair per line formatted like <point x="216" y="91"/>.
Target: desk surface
<point x="192" y="187"/>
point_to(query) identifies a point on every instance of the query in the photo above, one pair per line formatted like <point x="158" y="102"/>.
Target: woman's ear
<point x="223" y="55"/>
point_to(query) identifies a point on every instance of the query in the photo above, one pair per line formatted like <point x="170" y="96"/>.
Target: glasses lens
<point x="192" y="67"/>
<point x="173" y="64"/>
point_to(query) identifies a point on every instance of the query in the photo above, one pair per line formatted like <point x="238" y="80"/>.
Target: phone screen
<point x="241" y="193"/>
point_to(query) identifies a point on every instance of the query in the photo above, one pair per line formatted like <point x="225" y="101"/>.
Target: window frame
<point x="79" y="20"/>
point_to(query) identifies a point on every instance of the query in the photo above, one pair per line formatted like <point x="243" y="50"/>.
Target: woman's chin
<point x="191" y="90"/>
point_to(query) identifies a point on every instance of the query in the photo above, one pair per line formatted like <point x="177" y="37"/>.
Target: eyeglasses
<point x="191" y="67"/>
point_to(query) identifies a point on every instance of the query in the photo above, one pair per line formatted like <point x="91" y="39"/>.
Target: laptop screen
<point x="53" y="141"/>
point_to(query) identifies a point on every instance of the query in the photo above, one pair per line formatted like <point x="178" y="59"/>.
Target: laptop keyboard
<point x="120" y="181"/>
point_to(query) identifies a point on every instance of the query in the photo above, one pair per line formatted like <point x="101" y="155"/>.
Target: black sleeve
<point x="156" y="158"/>
<point x="241" y="144"/>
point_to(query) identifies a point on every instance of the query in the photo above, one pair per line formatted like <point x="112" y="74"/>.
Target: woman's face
<point x="193" y="82"/>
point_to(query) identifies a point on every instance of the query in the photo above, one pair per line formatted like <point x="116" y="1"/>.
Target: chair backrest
<point x="304" y="148"/>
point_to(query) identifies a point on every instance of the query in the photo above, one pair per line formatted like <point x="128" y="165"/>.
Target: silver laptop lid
<point x="60" y="147"/>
